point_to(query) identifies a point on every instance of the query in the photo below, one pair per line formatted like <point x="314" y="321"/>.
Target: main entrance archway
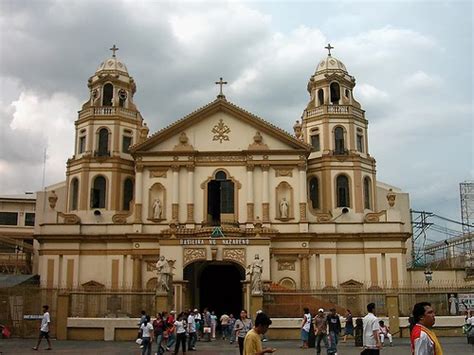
<point x="216" y="285"/>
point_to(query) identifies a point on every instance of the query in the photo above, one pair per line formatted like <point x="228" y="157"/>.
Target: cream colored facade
<point x="222" y="166"/>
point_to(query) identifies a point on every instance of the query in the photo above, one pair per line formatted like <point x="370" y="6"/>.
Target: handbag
<point x="207" y="330"/>
<point x="139" y="341"/>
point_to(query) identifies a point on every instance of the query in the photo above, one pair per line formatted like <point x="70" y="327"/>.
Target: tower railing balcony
<point x="108" y="111"/>
<point x="334" y="110"/>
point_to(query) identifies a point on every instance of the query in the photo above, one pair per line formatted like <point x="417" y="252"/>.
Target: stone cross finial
<point x="114" y="49"/>
<point x="220" y="83"/>
<point x="328" y="47"/>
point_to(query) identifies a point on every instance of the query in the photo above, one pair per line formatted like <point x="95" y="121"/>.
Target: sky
<point x="412" y="61"/>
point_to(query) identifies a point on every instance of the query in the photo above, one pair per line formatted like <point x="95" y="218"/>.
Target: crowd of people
<point x="171" y="332"/>
<point x="327" y="329"/>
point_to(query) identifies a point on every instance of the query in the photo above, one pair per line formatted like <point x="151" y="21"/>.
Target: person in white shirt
<point x="147" y="336"/>
<point x="44" y="329"/>
<point x="371" y="332"/>
<point x="181" y="326"/>
<point x="192" y="331"/>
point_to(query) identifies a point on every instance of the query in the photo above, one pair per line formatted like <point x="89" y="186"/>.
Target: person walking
<point x="423" y="340"/>
<point x="192" y="331"/>
<point x="242" y="327"/>
<point x="158" y="330"/>
<point x="320" y="330"/>
<point x="224" y="326"/>
<point x="213" y="325"/>
<point x="198" y="321"/>
<point x="334" y="326"/>
<point x="180" y="324"/>
<point x="44" y="328"/>
<point x="146" y="329"/>
<point x="349" y="326"/>
<point x="171" y="330"/>
<point x="252" y="341"/>
<point x="371" y="332"/>
<point x="207" y="329"/>
<point x="230" y="328"/>
<point x="385" y="333"/>
<point x="305" y="326"/>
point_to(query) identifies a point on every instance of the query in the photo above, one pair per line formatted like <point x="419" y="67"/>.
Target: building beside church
<point x="216" y="189"/>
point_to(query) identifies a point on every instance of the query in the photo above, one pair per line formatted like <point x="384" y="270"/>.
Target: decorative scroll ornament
<point x="237" y="255"/>
<point x="286" y="265"/>
<point x="191" y="255"/>
<point x="221" y="132"/>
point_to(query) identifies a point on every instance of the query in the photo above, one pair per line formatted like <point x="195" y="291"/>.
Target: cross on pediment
<point x="220" y="83"/>
<point x="114" y="49"/>
<point x="328" y="47"/>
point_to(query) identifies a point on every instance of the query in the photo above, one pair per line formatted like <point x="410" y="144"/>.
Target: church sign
<point x="214" y="241"/>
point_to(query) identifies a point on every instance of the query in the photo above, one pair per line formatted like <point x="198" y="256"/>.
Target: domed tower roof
<point x="112" y="64"/>
<point x="330" y="63"/>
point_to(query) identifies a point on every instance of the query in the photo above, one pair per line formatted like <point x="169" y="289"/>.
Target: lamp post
<point x="428" y="275"/>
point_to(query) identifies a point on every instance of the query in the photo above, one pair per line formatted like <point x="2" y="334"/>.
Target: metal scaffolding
<point x="466" y="190"/>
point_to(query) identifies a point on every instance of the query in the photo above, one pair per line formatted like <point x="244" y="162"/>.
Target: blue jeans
<point x="192" y="340"/>
<point x="171" y="340"/>
<point x="146" y="343"/>
<point x="159" y="339"/>
<point x="332" y="348"/>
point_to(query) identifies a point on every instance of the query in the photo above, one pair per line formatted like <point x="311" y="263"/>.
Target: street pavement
<point x="451" y="346"/>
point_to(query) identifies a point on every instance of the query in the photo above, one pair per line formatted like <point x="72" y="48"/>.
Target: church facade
<point x="218" y="189"/>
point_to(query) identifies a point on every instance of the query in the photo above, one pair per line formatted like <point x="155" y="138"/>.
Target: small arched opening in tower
<point x="335" y="93"/>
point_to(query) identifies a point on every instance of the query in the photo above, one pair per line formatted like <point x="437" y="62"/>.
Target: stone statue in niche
<point x="255" y="271"/>
<point x="157" y="209"/>
<point x="284" y="208"/>
<point x="164" y="274"/>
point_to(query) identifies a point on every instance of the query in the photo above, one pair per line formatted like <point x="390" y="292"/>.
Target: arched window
<point x="103" y="146"/>
<point x="320" y="97"/>
<point x="314" y="192"/>
<point x="122" y="97"/>
<point x="108" y="95"/>
<point x="98" y="192"/>
<point x="342" y="191"/>
<point x="367" y="193"/>
<point x="221" y="175"/>
<point x="74" y="194"/>
<point x="127" y="194"/>
<point x="335" y="93"/>
<point x="339" y="147"/>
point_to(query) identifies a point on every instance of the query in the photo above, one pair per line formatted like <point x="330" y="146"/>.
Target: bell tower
<point x="341" y="173"/>
<point x="100" y="175"/>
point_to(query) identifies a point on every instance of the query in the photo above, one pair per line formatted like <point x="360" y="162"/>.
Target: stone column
<point x="304" y="271"/>
<point x="190" y="199"/>
<point x="265" y="195"/>
<point x="137" y="272"/>
<point x="302" y="196"/>
<point x="250" y="194"/>
<point x="175" y="193"/>
<point x="138" y="193"/>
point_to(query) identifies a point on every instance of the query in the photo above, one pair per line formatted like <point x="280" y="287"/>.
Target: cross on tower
<point x="328" y="47"/>
<point x="114" y="49"/>
<point x="220" y="83"/>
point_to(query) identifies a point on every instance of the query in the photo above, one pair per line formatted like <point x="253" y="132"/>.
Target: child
<point x="385" y="333"/>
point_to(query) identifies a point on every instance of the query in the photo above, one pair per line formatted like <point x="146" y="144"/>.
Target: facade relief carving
<point x="374" y="217"/>
<point x="235" y="254"/>
<point x="221" y="131"/>
<point x="286" y="264"/>
<point x="192" y="254"/>
<point x="158" y="173"/>
<point x="257" y="142"/>
<point x="391" y="197"/>
<point x="283" y="172"/>
<point x="183" y="143"/>
<point x="69" y="218"/>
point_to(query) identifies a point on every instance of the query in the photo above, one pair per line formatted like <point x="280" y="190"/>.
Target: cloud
<point x="176" y="51"/>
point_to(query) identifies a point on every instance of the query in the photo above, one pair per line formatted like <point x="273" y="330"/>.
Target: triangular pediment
<point x="351" y="284"/>
<point x="93" y="284"/>
<point x="221" y="126"/>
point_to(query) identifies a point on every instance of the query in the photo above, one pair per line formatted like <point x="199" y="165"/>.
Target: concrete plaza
<point x="451" y="346"/>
